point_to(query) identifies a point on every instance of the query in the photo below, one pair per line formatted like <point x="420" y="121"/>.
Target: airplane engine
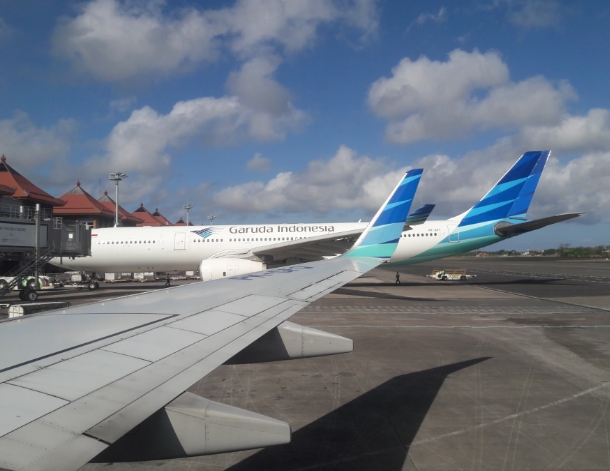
<point x="215" y="268"/>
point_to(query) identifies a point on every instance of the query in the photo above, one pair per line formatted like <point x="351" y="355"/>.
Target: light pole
<point x="116" y="178"/>
<point x="211" y="218"/>
<point x="188" y="207"/>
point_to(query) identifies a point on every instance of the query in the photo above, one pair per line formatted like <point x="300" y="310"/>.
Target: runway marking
<point x="559" y="276"/>
<point x="510" y="417"/>
<point x="543" y="299"/>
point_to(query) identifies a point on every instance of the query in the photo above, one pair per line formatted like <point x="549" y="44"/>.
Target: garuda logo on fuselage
<point x="206" y="232"/>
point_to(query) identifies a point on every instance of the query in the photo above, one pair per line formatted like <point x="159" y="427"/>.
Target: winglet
<point x="512" y="195"/>
<point x="381" y="236"/>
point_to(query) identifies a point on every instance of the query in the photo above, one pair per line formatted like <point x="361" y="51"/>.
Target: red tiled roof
<point x="24" y="189"/>
<point x="147" y="218"/>
<point x="124" y="215"/>
<point x="7" y="191"/>
<point x="79" y="202"/>
<point x="162" y="219"/>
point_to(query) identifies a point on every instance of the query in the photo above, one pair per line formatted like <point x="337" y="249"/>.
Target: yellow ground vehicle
<point x="455" y="274"/>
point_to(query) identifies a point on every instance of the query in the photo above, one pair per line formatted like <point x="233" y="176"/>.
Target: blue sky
<point x="288" y="110"/>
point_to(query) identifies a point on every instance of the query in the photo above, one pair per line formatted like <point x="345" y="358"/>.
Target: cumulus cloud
<point x="537" y="14"/>
<point x="426" y="99"/>
<point x="345" y="181"/>
<point x="258" y="163"/>
<point x="142" y="142"/>
<point x="31" y="146"/>
<point x="116" y="40"/>
<point x="122" y="104"/>
<point x="349" y="181"/>
<point x="439" y="17"/>
<point x="588" y="133"/>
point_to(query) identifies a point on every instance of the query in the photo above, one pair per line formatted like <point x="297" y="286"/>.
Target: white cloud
<point x="122" y="104"/>
<point x="587" y="134"/>
<point x="470" y="91"/>
<point x="142" y="142"/>
<point x="31" y="146"/>
<point x="116" y="40"/>
<point x="440" y="17"/>
<point x="346" y="181"/>
<point x="537" y="13"/>
<point x="258" y="163"/>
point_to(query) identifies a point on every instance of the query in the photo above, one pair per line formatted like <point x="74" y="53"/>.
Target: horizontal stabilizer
<point x="419" y="216"/>
<point x="505" y="229"/>
<point x="290" y="341"/>
<point x="193" y="426"/>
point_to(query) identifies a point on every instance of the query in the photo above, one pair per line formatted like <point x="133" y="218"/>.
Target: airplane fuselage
<point x="161" y="249"/>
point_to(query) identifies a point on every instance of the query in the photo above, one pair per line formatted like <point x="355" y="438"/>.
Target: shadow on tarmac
<point x="372" y="432"/>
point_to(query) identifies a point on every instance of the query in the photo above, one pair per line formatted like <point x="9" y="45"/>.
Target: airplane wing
<point x="74" y="382"/>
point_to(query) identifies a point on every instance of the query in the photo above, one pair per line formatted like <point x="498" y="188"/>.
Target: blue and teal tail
<point x="512" y="195"/>
<point x="381" y="236"/>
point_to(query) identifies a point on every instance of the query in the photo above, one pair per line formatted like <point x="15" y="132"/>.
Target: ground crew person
<point x="397" y="278"/>
<point x="167" y="280"/>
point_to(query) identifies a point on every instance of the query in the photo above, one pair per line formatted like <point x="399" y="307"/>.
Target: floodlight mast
<point x="188" y="208"/>
<point x="116" y="178"/>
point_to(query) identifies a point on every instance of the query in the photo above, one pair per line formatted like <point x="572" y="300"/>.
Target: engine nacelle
<point x="215" y="268"/>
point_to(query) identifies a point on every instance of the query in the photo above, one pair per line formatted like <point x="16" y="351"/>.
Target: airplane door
<point x="453" y="236"/>
<point x="180" y="241"/>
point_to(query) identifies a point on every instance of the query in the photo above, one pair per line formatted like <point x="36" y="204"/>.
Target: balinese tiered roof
<point x="164" y="221"/>
<point x="79" y="202"/>
<point x="148" y="218"/>
<point x="180" y="223"/>
<point x="124" y="215"/>
<point x="24" y="189"/>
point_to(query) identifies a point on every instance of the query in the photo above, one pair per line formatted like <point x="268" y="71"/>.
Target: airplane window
<point x="220" y="240"/>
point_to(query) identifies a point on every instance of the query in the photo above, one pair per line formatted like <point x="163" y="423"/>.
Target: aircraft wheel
<point x="31" y="296"/>
<point x="22" y="295"/>
<point x="3" y="286"/>
<point x="93" y="285"/>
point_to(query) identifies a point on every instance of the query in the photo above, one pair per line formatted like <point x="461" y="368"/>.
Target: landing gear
<point x="28" y="295"/>
<point x="93" y="285"/>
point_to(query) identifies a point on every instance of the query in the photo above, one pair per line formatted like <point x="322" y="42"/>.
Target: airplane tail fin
<point x="512" y="195"/>
<point x="381" y="236"/>
<point x="420" y="215"/>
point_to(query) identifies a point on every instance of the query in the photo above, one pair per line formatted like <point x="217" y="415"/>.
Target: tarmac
<point x="507" y="371"/>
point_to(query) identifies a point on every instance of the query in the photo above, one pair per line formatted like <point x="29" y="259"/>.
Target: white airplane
<point x="75" y="383"/>
<point x="221" y="251"/>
